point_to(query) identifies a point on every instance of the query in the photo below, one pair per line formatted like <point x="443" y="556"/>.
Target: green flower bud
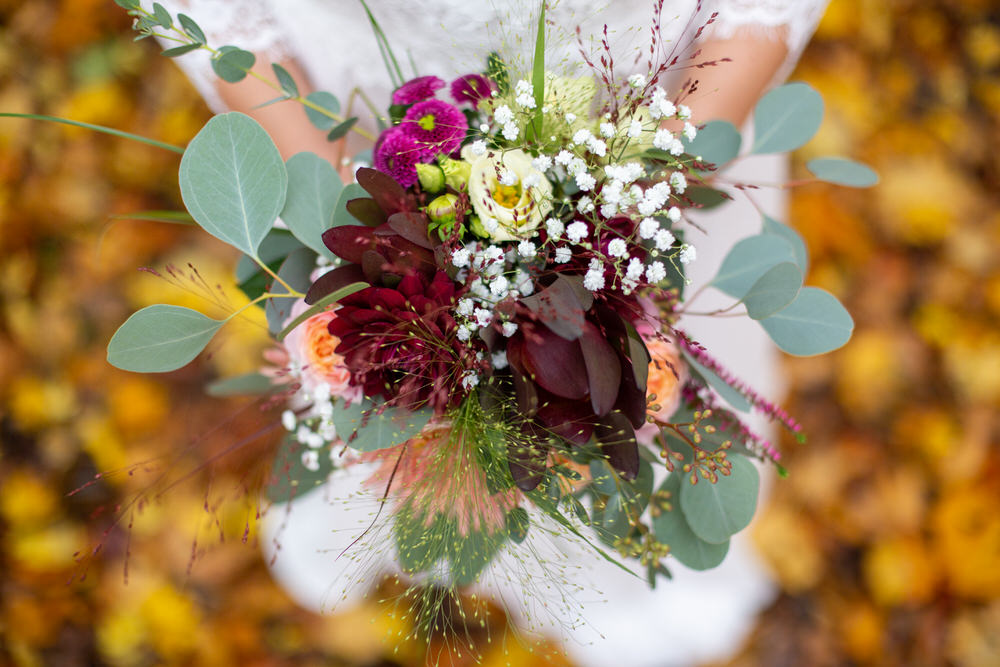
<point x="443" y="209"/>
<point x="456" y="173"/>
<point x="477" y="227"/>
<point x="431" y="177"/>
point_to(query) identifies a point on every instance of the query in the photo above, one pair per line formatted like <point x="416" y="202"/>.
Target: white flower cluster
<point x="505" y="118"/>
<point x="314" y="428"/>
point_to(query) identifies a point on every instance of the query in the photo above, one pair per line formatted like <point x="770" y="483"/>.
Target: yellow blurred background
<point x="885" y="538"/>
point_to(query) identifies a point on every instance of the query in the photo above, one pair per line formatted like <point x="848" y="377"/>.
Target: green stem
<point x="291" y="292"/>
<point x="96" y="128"/>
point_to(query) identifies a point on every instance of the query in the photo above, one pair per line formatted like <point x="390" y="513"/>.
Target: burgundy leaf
<point x="617" y="439"/>
<point x="573" y="421"/>
<point x="631" y="398"/>
<point x="556" y="364"/>
<point x="559" y="307"/>
<point x="349" y="242"/>
<point x="412" y="227"/>
<point x="372" y="264"/>
<point x="366" y="211"/>
<point x="604" y="371"/>
<point x="332" y="281"/>
<point x="638" y="356"/>
<point x="387" y="193"/>
<point x="527" y="466"/>
<point x="405" y="256"/>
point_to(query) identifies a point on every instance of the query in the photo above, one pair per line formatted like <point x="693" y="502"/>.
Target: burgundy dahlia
<point x="437" y="127"/>
<point x="471" y="88"/>
<point x="397" y="155"/>
<point x="416" y="90"/>
<point x="400" y="343"/>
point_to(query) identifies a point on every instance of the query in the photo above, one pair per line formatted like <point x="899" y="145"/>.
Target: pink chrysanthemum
<point x="471" y="88"/>
<point x="436" y="126"/>
<point x="417" y="89"/>
<point x="397" y="155"/>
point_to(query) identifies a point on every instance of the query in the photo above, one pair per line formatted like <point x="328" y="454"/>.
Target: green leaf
<point x="342" y="129"/>
<point x="275" y="247"/>
<point x="749" y="260"/>
<point x="843" y="172"/>
<point x="161" y="338"/>
<point x="538" y="69"/>
<point x="772" y="226"/>
<point x="313" y="190"/>
<point x="707" y="198"/>
<point x="773" y="291"/>
<point x="233" y="63"/>
<point x="786" y="118"/>
<point x="718" y="142"/>
<point x="180" y="50"/>
<point x="250" y="384"/>
<point x="728" y="394"/>
<point x="295" y="271"/>
<point x="285" y="80"/>
<point x="672" y="529"/>
<point x="173" y="217"/>
<point x="96" y="128"/>
<point x="128" y="4"/>
<point x="341" y="216"/>
<point x="233" y="180"/>
<point x="162" y="16"/>
<point x="327" y="101"/>
<point x="814" y="323"/>
<point x="717" y="511"/>
<point x="363" y="428"/>
<point x="192" y="29"/>
<point x="319" y="306"/>
<point x="290" y="478"/>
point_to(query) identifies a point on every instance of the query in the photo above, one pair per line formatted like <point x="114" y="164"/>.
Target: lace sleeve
<point x="796" y="20"/>
<point x="248" y="24"/>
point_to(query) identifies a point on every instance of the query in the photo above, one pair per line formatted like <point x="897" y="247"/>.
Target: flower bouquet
<point x="487" y="320"/>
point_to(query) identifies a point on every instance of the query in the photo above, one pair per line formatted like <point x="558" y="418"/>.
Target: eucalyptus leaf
<point x="363" y="428"/>
<point x="233" y="180"/>
<point x="180" y="50"/>
<point x="327" y="101"/>
<point x="290" y="477"/>
<point x="772" y="226"/>
<point x="773" y="291"/>
<point x="250" y="384"/>
<point x="814" y="323"/>
<point x="321" y="305"/>
<point x="233" y="63"/>
<point x="728" y="393"/>
<point x="717" y="511"/>
<point x="339" y="131"/>
<point x="128" y="4"/>
<point x="285" y="80"/>
<point x="717" y="142"/>
<point x="341" y="216"/>
<point x="161" y="338"/>
<point x="786" y="118"/>
<point x="191" y="28"/>
<point x="162" y="16"/>
<point x="672" y="529"/>
<point x="295" y="271"/>
<point x="313" y="191"/>
<point x="843" y="172"/>
<point x="748" y="260"/>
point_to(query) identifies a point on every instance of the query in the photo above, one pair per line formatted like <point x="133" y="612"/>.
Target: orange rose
<point x="667" y="374"/>
<point x="311" y="354"/>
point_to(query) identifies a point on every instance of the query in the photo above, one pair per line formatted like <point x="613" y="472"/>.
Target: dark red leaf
<point x="527" y="466"/>
<point x="372" y="265"/>
<point x="332" y="281"/>
<point x="556" y="364"/>
<point x="617" y="439"/>
<point x="366" y="211"/>
<point x="604" y="371"/>
<point x="412" y="227"/>
<point x="349" y="242"/>
<point x="573" y="421"/>
<point x="387" y="193"/>
<point x="560" y="307"/>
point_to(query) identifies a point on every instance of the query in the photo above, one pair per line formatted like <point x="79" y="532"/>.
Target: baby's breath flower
<point x="683" y="111"/>
<point x="607" y="130"/>
<point x="617" y="248"/>
<point x="555" y="228"/>
<point x="637" y="81"/>
<point x="510" y="131"/>
<point x="482" y="316"/>
<point x="663" y="239"/>
<point x="635" y="269"/>
<point x="634" y="128"/>
<point x="674" y="214"/>
<point x="688" y="254"/>
<point x="662" y="139"/>
<point x="478" y="147"/>
<point x="563" y="255"/>
<point x="508" y="329"/>
<point x="678" y="182"/>
<point x="593" y="280"/>
<point x="499" y="359"/>
<point x="503" y="114"/>
<point x="526" y="249"/>
<point x="648" y="228"/>
<point x="460" y="258"/>
<point x="288" y="420"/>
<point x="655" y="273"/>
<point x="564" y="157"/>
<point x="542" y="163"/>
<point x="690" y="131"/>
<point x="507" y="177"/>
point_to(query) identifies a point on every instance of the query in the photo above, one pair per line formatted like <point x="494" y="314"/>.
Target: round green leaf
<point x="772" y="226"/>
<point x="341" y="216"/>
<point x="161" y="338"/>
<point x="313" y="190"/>
<point x="773" y="291"/>
<point x="749" y="260"/>
<point x="814" y="323"/>
<point x="233" y="63"/>
<point x="673" y="530"/>
<point x="786" y="118"/>
<point x="327" y="101"/>
<point x="728" y="394"/>
<point x="843" y="172"/>
<point x="295" y="271"/>
<point x="362" y="428"/>
<point x="233" y="180"/>
<point x="291" y="478"/>
<point x="717" y="142"/>
<point x="717" y="511"/>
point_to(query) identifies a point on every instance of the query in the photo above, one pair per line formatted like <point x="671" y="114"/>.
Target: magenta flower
<point x="397" y="155"/>
<point x="471" y="88"/>
<point x="417" y="89"/>
<point x="437" y="127"/>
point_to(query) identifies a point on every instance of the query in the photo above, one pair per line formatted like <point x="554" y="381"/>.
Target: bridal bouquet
<point x="488" y="319"/>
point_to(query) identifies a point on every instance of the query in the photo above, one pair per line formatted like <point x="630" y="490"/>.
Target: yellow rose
<point x="507" y="211"/>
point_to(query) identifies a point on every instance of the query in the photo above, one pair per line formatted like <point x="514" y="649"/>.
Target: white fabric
<point x="698" y="616"/>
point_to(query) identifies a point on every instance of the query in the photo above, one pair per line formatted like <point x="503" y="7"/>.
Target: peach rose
<point x="667" y="375"/>
<point x="311" y="355"/>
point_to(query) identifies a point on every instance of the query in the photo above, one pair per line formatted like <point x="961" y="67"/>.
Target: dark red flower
<point x="400" y="343"/>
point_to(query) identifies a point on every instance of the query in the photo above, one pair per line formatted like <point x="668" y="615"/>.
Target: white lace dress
<point x="696" y="617"/>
